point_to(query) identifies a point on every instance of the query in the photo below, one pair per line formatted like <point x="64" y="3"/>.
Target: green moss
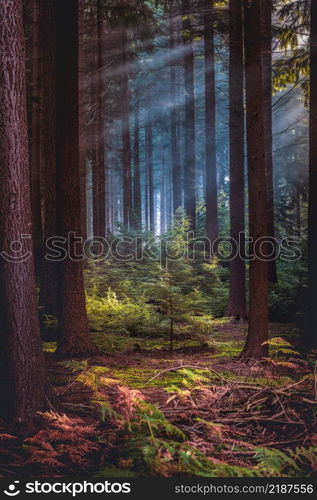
<point x="136" y="378"/>
<point x="265" y="381"/>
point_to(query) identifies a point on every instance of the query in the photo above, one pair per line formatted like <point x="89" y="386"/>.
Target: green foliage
<point x="125" y="315"/>
<point x="151" y="296"/>
<point x="163" y="457"/>
<point x="191" y="379"/>
<point x="276" y="463"/>
<point x="287" y="298"/>
<point x="278" y="345"/>
<point x="292" y="23"/>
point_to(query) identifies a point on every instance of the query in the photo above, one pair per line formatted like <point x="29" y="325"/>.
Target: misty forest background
<point x="144" y="121"/>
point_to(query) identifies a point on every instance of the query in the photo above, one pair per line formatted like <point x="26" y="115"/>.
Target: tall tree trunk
<point x="146" y="178"/>
<point x="149" y="148"/>
<point x="176" y="160"/>
<point x="35" y="131"/>
<point x="267" y="81"/>
<point x="99" y="188"/>
<point x="111" y="201"/>
<point x="298" y="221"/>
<point x="82" y="120"/>
<point x="48" y="281"/>
<point x="126" y="141"/>
<point x="312" y="210"/>
<point x="23" y="379"/>
<point x="163" y="204"/>
<point x="237" y="295"/>
<point x="137" y="207"/>
<point x="255" y="347"/>
<point x="210" y="124"/>
<point x="73" y="325"/>
<point x="190" y="129"/>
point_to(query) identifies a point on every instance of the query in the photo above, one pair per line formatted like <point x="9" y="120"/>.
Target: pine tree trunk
<point x="267" y="81"/>
<point x="210" y="124"/>
<point x="73" y="325"/>
<point x="237" y="295"/>
<point x="163" y="196"/>
<point x="136" y="164"/>
<point x="99" y="202"/>
<point x="312" y="210"/>
<point x="23" y="380"/>
<point x="149" y="146"/>
<point x="36" y="130"/>
<point x="82" y="120"/>
<point x="169" y="211"/>
<point x="190" y="129"/>
<point x="298" y="213"/>
<point x="146" y="187"/>
<point x="258" y="309"/>
<point x="175" y="151"/>
<point x="48" y="278"/>
<point x="126" y="141"/>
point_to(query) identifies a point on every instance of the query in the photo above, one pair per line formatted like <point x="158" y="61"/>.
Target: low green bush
<point x="119" y="315"/>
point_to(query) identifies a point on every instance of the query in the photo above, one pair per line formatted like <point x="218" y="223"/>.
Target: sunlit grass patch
<point x="136" y="378"/>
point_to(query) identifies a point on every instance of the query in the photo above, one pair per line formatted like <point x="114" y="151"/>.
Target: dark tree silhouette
<point x="48" y="276"/>
<point x="35" y="126"/>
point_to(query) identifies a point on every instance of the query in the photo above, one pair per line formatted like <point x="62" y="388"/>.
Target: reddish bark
<point x="73" y="325"/>
<point x="22" y="373"/>
<point x="237" y="295"/>
<point x="255" y="347"/>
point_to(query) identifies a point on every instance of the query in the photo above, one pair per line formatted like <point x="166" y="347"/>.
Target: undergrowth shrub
<point x="276" y="463"/>
<point x="119" y="315"/>
<point x="288" y="297"/>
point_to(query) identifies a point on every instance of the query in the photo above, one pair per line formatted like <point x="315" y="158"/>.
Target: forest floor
<point x="139" y="409"/>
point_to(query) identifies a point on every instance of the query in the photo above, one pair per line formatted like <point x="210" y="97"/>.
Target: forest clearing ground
<point x="193" y="411"/>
